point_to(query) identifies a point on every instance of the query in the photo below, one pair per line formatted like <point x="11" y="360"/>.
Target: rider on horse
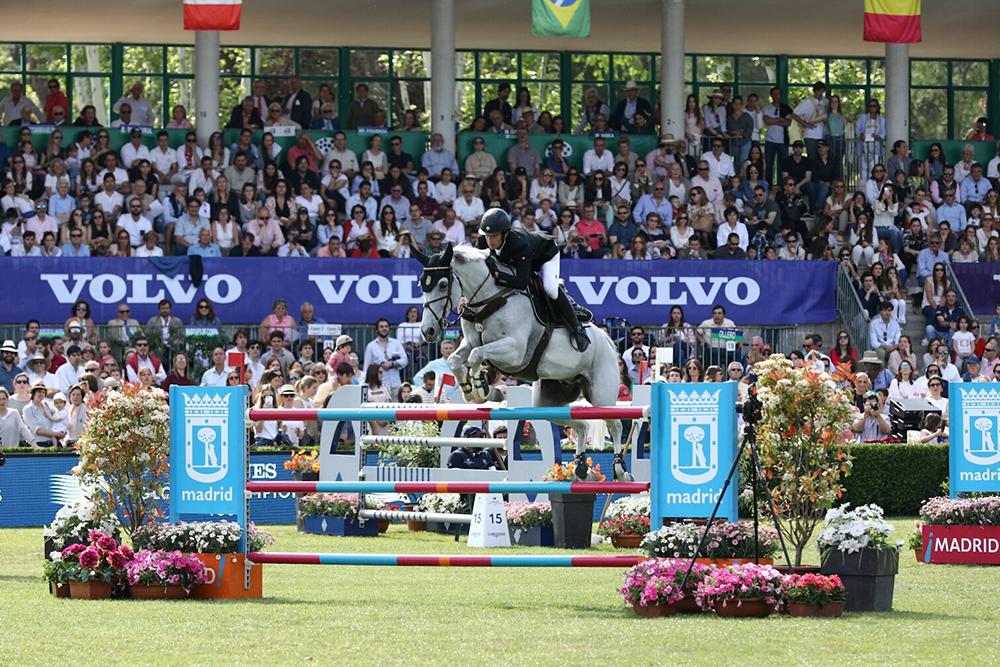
<point x="516" y="254"/>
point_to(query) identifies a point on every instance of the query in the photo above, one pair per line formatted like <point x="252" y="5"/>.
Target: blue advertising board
<point x="33" y="488"/>
<point x="695" y="433"/>
<point x="355" y="291"/>
<point x="208" y="452"/>
<point x="980" y="282"/>
<point x="974" y="437"/>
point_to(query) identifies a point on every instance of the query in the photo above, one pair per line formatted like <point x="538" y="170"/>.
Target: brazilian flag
<point x="560" y="18"/>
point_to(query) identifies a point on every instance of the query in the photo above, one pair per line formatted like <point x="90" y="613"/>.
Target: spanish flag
<point x="893" y="21"/>
<point x="560" y="18"/>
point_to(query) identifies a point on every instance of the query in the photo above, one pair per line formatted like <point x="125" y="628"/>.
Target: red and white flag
<point x="212" y="14"/>
<point x="447" y="380"/>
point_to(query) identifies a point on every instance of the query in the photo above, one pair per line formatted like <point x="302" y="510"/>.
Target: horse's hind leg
<point x="547" y="393"/>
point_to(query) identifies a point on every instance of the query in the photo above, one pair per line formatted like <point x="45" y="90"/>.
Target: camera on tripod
<point x="751" y="409"/>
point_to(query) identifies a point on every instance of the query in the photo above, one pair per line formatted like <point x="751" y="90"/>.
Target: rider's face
<point x="494" y="241"/>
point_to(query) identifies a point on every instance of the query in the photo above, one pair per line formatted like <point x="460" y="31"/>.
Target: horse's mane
<point x="465" y="254"/>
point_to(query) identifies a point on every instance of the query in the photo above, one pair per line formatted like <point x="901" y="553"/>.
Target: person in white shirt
<point x="637" y="337"/>
<point x="109" y="199"/>
<point x="68" y="374"/>
<point x="204" y="177"/>
<point x="292" y="247"/>
<point x="453" y="231"/>
<point x="188" y="156"/>
<point x="135" y="224"/>
<point x="12" y="106"/>
<point x="340" y="151"/>
<point x="707" y="182"/>
<point x="365" y="200"/>
<point x="811" y="114"/>
<point x="883" y="331"/>
<point x="720" y="164"/>
<point x="134" y="151"/>
<point x="142" y="110"/>
<point x="468" y="208"/>
<point x="163" y="158"/>
<point x="111" y="167"/>
<point x="733" y="225"/>
<point x="215" y="376"/>
<point x="149" y="248"/>
<point x="598" y="158"/>
<point x="386" y="352"/>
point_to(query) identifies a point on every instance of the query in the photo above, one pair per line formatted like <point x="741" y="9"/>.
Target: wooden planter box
<point x="965" y="545"/>
<point x="339" y="526"/>
<point x="226" y="578"/>
<point x="540" y="536"/>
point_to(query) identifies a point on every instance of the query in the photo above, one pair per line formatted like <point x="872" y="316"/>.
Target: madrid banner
<point x="359" y="291"/>
<point x="974" y="431"/>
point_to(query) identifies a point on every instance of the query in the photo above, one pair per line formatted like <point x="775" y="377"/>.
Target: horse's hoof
<point x="580" y="468"/>
<point x="621" y="474"/>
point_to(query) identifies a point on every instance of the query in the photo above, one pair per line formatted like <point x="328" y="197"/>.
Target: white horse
<point x="499" y="326"/>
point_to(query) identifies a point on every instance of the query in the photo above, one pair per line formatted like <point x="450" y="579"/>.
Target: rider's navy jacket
<point x="524" y="252"/>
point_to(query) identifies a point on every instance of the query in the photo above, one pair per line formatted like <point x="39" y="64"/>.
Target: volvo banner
<point x="356" y="291"/>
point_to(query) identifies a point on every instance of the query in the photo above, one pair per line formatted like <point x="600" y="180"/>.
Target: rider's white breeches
<point x="550" y="277"/>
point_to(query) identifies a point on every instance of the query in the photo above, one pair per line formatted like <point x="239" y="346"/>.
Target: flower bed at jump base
<point x="962" y="531"/>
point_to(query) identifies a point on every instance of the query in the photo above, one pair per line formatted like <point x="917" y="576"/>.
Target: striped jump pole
<point x="448" y="487"/>
<point x="429" y="441"/>
<point x="420" y="560"/>
<point x="400" y="515"/>
<point x="563" y="413"/>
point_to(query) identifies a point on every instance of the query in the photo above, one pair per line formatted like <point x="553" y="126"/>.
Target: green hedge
<point x="897" y="477"/>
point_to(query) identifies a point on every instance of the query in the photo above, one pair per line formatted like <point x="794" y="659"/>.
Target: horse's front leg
<point x="502" y="352"/>
<point x="458" y="363"/>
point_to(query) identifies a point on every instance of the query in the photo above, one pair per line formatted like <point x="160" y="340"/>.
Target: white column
<point x="206" y="83"/>
<point x="672" y="67"/>
<point x="443" y="70"/>
<point x="897" y="92"/>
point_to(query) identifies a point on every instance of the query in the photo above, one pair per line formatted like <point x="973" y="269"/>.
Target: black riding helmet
<point x="495" y="221"/>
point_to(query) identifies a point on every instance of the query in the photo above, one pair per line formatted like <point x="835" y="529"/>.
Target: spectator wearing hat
<point x="472" y="458"/>
<point x="40" y="419"/>
<point x="973" y="370"/>
<point x="293" y="430"/>
<point x="8" y="365"/>
<point x="38" y="372"/>
<point x="871" y="424"/>
<point x="880" y="377"/>
<point x="623" y="119"/>
<point x="714" y="114"/>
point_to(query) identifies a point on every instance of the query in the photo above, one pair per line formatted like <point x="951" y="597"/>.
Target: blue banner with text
<point x="356" y="291"/>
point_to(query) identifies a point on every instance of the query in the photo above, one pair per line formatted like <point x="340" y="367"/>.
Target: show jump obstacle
<point x="693" y="443"/>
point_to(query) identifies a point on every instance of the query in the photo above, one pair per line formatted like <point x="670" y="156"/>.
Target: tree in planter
<point x="123" y="454"/>
<point x="801" y="441"/>
<point x="412" y="456"/>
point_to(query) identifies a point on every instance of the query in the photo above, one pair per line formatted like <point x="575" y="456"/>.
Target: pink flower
<point x="73" y="549"/>
<point x="106" y="543"/>
<point x="90" y="558"/>
<point x="94" y="535"/>
<point x="117" y="559"/>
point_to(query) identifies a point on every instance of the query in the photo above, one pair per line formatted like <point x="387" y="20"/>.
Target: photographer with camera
<point x="871" y="424"/>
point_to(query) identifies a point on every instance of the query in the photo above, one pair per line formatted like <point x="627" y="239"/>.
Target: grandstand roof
<point x="955" y="29"/>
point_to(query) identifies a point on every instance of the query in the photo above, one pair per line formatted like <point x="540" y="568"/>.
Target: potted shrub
<point x="164" y="574"/>
<point x="814" y="595"/>
<point x="411" y="456"/>
<point x="855" y="546"/>
<point x="74" y="522"/>
<point x="56" y="573"/>
<point x="93" y="569"/>
<point x="304" y="467"/>
<point x="915" y="542"/>
<point x="530" y="524"/>
<point x="216" y="545"/>
<point x="124" y="454"/>
<point x="335" y="514"/>
<point x="952" y="527"/>
<point x="746" y="590"/>
<point x="627" y="521"/>
<point x="572" y="513"/>
<point x="727" y="543"/>
<point x="805" y="423"/>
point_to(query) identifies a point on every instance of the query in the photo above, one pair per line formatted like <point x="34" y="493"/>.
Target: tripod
<point x="751" y="410"/>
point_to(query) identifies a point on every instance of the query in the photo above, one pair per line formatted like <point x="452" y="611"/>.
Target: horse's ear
<point x="418" y="255"/>
<point x="448" y="252"/>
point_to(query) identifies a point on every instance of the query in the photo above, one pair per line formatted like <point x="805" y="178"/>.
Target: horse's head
<point x="441" y="292"/>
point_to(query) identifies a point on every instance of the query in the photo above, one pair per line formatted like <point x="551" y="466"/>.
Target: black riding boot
<point x="565" y="310"/>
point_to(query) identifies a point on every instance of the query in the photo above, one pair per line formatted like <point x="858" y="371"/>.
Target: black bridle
<point x="442" y="319"/>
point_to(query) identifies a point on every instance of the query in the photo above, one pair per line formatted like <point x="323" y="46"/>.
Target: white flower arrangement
<point x="853" y="530"/>
<point x="441" y="503"/>
<point x="633" y="505"/>
<point x="75" y="521"/>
